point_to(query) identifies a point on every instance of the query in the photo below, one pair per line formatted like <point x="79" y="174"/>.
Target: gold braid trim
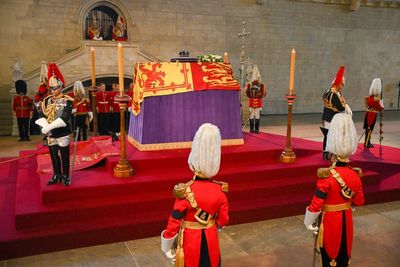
<point x="50" y="110"/>
<point x="328" y="102"/>
<point x="320" y="237"/>
<point x="224" y="185"/>
<point x="180" y="189"/>
<point x="197" y="225"/>
<point x="337" y="207"/>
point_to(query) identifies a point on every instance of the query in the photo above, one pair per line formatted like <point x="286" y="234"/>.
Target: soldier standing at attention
<point x="338" y="188"/>
<point x="55" y="116"/>
<point x="334" y="103"/>
<point x="82" y="111"/>
<point x="103" y="109"/>
<point x="373" y="105"/>
<point x="22" y="107"/>
<point x="255" y="92"/>
<point x="201" y="206"/>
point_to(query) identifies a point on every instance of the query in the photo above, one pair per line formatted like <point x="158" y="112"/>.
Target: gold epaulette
<point x="323" y="172"/>
<point x="180" y="189"/>
<point x="224" y="186"/>
<point x="358" y="170"/>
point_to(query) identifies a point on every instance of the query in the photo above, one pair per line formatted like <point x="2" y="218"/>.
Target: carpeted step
<point x="99" y="208"/>
<point x="30" y="216"/>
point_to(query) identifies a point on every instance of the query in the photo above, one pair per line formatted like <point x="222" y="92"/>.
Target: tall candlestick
<point x="120" y="69"/>
<point x="92" y="62"/>
<point x="292" y="64"/>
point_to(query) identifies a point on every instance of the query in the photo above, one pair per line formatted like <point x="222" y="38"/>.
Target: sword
<point x="73" y="155"/>
<point x="361" y="137"/>
<point x="316" y="252"/>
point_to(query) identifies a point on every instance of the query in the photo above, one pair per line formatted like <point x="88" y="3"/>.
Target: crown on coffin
<point x="184" y="53"/>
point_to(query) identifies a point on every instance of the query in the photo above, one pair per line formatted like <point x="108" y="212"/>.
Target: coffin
<point x="171" y="101"/>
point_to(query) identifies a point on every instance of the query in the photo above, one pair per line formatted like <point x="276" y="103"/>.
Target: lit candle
<point x="92" y="62"/>
<point x="292" y="63"/>
<point x="120" y="70"/>
<point x="226" y="58"/>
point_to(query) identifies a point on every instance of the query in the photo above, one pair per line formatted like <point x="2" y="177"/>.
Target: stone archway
<point x="117" y="6"/>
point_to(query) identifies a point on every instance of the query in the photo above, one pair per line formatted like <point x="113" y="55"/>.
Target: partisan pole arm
<point x="381" y="125"/>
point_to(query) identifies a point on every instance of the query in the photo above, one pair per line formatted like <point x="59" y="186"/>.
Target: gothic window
<point x="104" y="23"/>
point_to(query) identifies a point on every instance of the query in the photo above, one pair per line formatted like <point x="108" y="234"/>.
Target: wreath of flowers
<point x="210" y="58"/>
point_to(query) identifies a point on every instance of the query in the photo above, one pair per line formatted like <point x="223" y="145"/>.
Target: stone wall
<point x="325" y="36"/>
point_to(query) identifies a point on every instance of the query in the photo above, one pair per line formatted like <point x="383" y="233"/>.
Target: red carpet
<point x="99" y="208"/>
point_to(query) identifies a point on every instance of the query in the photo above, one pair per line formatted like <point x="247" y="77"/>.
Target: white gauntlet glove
<point x="309" y="219"/>
<point x="381" y="103"/>
<point x="58" y="123"/>
<point x="348" y="110"/>
<point x="167" y="245"/>
<point x="90" y="114"/>
<point x="42" y="122"/>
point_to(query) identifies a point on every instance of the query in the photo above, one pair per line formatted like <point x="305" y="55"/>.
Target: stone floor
<point x="279" y="242"/>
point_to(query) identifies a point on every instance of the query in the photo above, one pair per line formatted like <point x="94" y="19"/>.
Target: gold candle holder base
<point x="287" y="155"/>
<point x="123" y="169"/>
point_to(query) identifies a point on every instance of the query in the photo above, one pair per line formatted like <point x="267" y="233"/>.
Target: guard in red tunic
<point x="22" y="107"/>
<point x="103" y="110"/>
<point x="255" y="92"/>
<point x="200" y="208"/>
<point x="338" y="188"/>
<point x="81" y="111"/>
<point x="334" y="103"/>
<point x="373" y="105"/>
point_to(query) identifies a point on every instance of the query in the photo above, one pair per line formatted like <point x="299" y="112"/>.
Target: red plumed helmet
<point x="339" y="77"/>
<point x="52" y="70"/>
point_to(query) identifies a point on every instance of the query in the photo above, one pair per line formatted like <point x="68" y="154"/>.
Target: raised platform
<point x="99" y="208"/>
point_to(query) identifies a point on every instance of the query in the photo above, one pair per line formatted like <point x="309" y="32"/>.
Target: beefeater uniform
<point x="335" y="235"/>
<point x="200" y="240"/>
<point x="22" y="106"/>
<point x="103" y="111"/>
<point x="82" y="108"/>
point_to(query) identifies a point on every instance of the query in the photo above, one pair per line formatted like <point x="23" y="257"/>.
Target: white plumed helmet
<point x="256" y="74"/>
<point x="376" y="87"/>
<point x="78" y="88"/>
<point x="342" y="136"/>
<point x="205" y="156"/>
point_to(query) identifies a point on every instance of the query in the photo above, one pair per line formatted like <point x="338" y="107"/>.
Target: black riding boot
<point x="325" y="154"/>
<point x="367" y="142"/>
<point x="257" y="126"/>
<point x="64" y="151"/>
<point x="252" y="125"/>
<point x="55" y="161"/>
